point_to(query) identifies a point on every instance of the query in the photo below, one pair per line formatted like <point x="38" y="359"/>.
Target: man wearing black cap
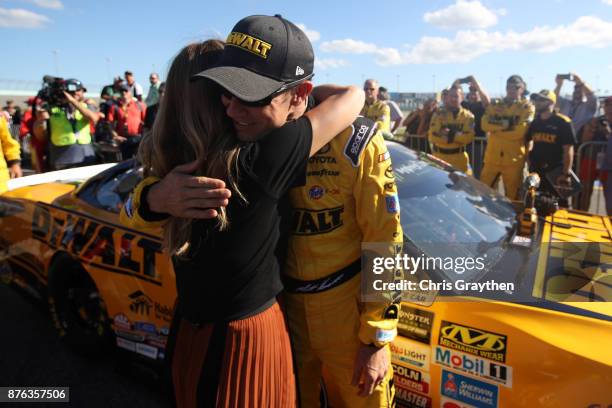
<point x="258" y="65"/>
<point x="506" y="123"/>
<point x="551" y="140"/>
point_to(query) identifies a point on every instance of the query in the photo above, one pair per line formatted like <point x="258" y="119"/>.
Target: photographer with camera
<point x="64" y="121"/>
<point x="598" y="130"/>
<point x="127" y="119"/>
<point x="476" y="101"/>
<point x="583" y="105"/>
<point x="550" y="142"/>
<point x="451" y="130"/>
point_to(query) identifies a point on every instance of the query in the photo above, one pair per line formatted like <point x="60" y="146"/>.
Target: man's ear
<point x="304" y="89"/>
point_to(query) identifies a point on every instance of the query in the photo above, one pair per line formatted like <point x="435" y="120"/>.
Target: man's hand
<point x="71" y="99"/>
<point x="182" y="195"/>
<point x="15" y="171"/>
<point x="577" y="79"/>
<point x="119" y="139"/>
<point x="564" y="180"/>
<point x="559" y="80"/>
<point x="371" y="367"/>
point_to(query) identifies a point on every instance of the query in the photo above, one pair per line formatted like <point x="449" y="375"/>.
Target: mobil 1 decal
<point x="415" y="323"/>
<point x="480" y="343"/>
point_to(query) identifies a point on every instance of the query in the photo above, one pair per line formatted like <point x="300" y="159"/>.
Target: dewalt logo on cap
<point x="249" y="43"/>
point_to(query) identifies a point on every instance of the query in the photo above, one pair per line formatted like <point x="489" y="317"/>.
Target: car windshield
<point x="446" y="213"/>
<point x="110" y="189"/>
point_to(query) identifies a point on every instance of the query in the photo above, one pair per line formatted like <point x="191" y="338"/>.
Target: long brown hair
<point x="191" y="124"/>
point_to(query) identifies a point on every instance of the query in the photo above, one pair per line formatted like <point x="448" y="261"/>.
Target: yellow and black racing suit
<point x="350" y="197"/>
<point x="449" y="133"/>
<point x="380" y="113"/>
<point x="506" y="123"/>
<point x="10" y="154"/>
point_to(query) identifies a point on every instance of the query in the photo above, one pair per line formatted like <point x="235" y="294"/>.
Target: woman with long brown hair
<point x="232" y="346"/>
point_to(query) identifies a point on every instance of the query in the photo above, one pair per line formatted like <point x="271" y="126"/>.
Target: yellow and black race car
<point x="547" y="344"/>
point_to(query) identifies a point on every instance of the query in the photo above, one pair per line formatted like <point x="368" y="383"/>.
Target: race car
<point x="544" y="344"/>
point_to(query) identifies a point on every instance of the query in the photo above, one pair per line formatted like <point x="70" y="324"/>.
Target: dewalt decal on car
<point x="96" y="243"/>
<point x="473" y="341"/>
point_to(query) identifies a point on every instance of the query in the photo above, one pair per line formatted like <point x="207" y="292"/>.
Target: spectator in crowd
<point x="476" y="101"/>
<point x="396" y="112"/>
<point x="451" y="130"/>
<point x="118" y="82"/>
<point x="375" y="109"/>
<point x="417" y="123"/>
<point x="597" y="130"/>
<point x="152" y="110"/>
<point x="10" y="155"/>
<point x="583" y="105"/>
<point x="506" y="122"/>
<point x="67" y="128"/>
<point x="8" y="110"/>
<point x="127" y="119"/>
<point x="134" y="87"/>
<point x="550" y="140"/>
<point x="153" y="95"/>
<point x="38" y="147"/>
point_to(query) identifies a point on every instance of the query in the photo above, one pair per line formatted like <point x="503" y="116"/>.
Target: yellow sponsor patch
<point x="249" y="43"/>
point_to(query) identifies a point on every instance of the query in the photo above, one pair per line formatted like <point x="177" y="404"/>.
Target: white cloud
<point x="586" y="31"/>
<point x="463" y="14"/>
<point x="608" y="2"/>
<point x="382" y="56"/>
<point x="312" y="35"/>
<point x="323" y="64"/>
<point x="50" y="4"/>
<point x="19" y="18"/>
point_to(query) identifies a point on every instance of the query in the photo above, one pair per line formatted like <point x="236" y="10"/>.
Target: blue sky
<point x="417" y="45"/>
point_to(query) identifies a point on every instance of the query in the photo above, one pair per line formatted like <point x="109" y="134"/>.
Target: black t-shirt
<point x="549" y="136"/>
<point x="478" y="110"/>
<point x="233" y="274"/>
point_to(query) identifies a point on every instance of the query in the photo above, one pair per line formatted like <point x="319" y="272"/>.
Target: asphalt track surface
<point x="32" y="355"/>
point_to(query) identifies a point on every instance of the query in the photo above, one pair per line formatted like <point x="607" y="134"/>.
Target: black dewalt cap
<point x="263" y="55"/>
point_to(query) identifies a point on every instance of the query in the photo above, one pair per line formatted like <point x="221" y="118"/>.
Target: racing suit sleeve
<point x="433" y="134"/>
<point x="377" y="211"/>
<point x="136" y="213"/>
<point x="10" y="147"/>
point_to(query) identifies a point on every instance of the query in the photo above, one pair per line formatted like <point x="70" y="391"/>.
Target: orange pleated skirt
<point x="243" y="363"/>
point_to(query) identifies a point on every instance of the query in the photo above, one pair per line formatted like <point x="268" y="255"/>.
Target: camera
<point x="465" y="80"/>
<point x="52" y="91"/>
<point x="568" y="77"/>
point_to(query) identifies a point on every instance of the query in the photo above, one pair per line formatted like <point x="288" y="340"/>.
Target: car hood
<point x="74" y="175"/>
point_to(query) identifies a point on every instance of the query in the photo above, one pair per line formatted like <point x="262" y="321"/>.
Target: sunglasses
<point x="267" y="100"/>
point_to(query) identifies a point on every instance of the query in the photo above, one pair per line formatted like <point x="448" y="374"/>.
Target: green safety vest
<point x="65" y="132"/>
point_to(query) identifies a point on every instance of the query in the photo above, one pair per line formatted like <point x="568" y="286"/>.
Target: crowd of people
<point x="540" y="133"/>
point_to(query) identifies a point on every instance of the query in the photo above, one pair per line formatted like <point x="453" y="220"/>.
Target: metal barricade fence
<point x="588" y="161"/>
